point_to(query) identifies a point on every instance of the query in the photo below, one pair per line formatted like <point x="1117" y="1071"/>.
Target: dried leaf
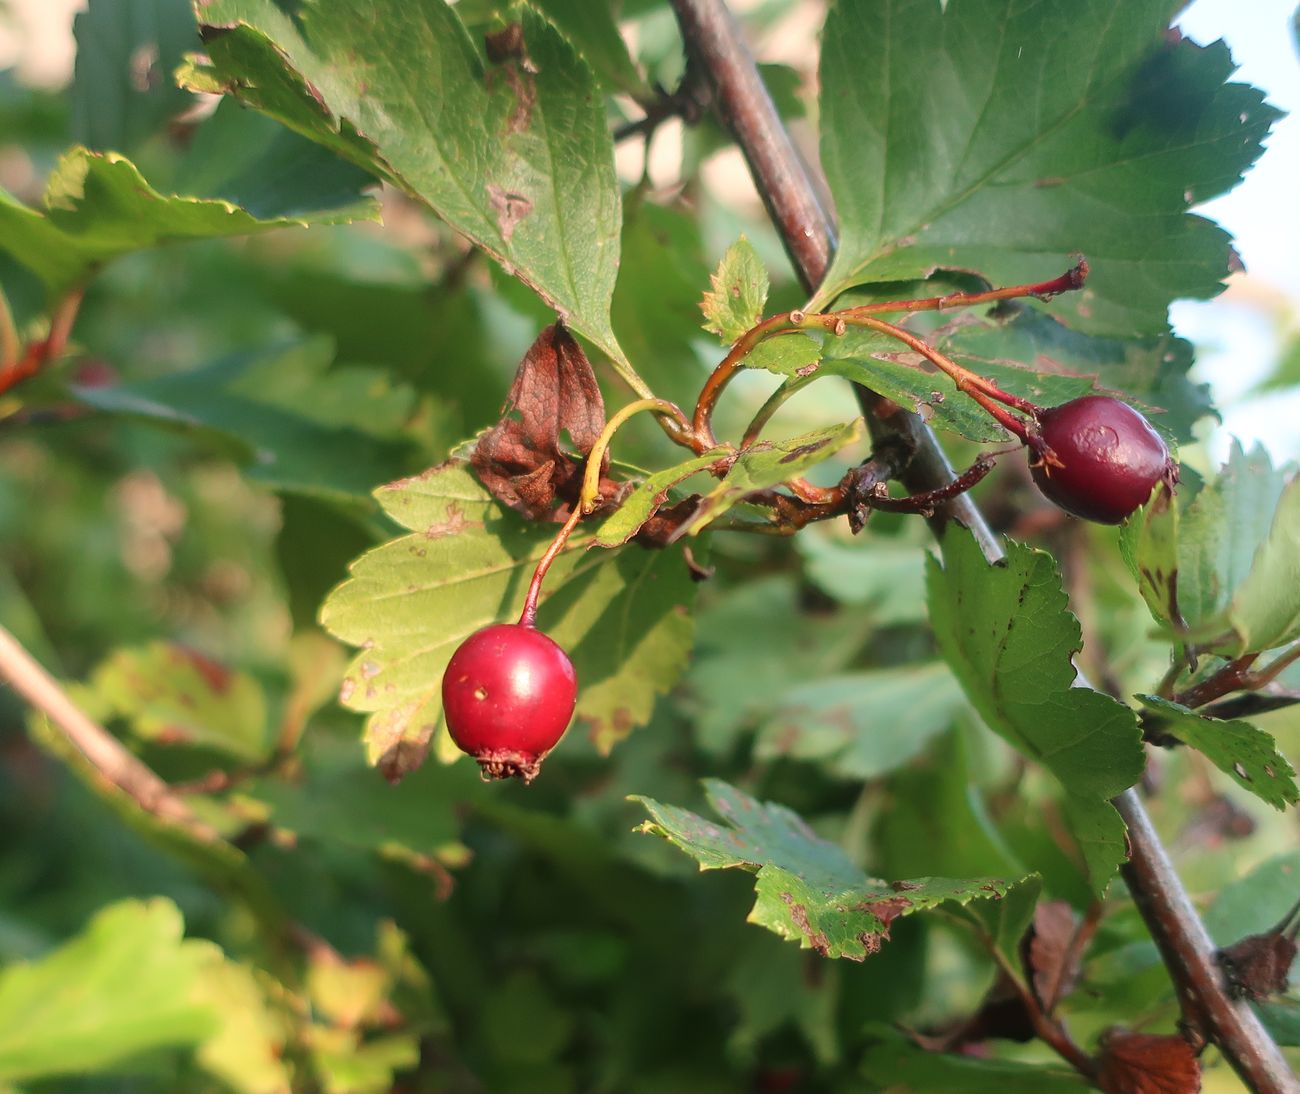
<point x="1142" y="1063"/>
<point x="1055" y="969"/>
<point x="520" y="460"/>
<point x="1258" y="966"/>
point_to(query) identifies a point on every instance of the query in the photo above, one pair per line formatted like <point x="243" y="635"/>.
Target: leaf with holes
<point x="465" y="563"/>
<point x="808" y="891"/>
<point x="1032" y="137"/>
<point x="513" y="151"/>
<point x="1235" y="747"/>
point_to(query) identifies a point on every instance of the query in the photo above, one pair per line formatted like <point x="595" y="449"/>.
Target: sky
<point x="1240" y="334"/>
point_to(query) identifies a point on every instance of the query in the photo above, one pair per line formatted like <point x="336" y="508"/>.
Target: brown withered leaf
<point x="1048" y="953"/>
<point x="1258" y="966"/>
<point x="1143" y="1063"/>
<point x="521" y="459"/>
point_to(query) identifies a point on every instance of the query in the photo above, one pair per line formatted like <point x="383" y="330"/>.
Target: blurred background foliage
<point x="443" y="935"/>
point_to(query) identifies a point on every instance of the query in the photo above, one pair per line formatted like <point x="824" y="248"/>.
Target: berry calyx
<point x="1104" y="459"/>
<point x="508" y="695"/>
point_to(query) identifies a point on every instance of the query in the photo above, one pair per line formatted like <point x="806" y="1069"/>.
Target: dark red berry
<point x="508" y="695"/>
<point x="1109" y="457"/>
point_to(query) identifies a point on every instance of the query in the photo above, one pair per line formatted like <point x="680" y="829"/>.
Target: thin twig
<point x="103" y="751"/>
<point x="808" y="232"/>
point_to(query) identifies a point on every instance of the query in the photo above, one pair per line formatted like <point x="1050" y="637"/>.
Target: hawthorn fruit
<point x="1105" y="458"/>
<point x="508" y="695"/>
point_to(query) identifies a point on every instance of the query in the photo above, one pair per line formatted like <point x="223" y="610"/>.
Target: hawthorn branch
<point x="793" y="202"/>
<point x="102" y="750"/>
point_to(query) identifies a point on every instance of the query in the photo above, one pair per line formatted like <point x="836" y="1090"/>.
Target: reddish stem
<point x="1072" y="279"/>
<point x="528" y="617"/>
<point x="44" y="349"/>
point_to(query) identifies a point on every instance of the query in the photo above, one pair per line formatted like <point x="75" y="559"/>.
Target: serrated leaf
<point x="1021" y="144"/>
<point x="1220" y="531"/>
<point x="98" y="207"/>
<point x="861" y="725"/>
<point x="122" y="88"/>
<point x="1009" y="637"/>
<point x="465" y="564"/>
<point x="1235" y="747"/>
<point x="738" y="291"/>
<point x="170" y="694"/>
<point x="646" y="497"/>
<point x="1265" y="609"/>
<point x="514" y="154"/>
<point x="771" y="463"/>
<point x="591" y="27"/>
<point x="125" y="985"/>
<point x="1148" y="543"/>
<point x="808" y="891"/>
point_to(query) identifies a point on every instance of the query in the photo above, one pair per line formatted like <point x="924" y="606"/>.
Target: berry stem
<point x="982" y="390"/>
<point x="590" y="494"/>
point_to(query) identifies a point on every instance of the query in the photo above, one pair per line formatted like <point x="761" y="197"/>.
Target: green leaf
<point x="738" y="291"/>
<point x="267" y="170"/>
<point x="247" y="1051"/>
<point x="884" y="578"/>
<point x="1220" y="531"/>
<point x="1031" y="137"/>
<point x="515" y="155"/>
<point x="122" y="88"/>
<point x="793" y="354"/>
<point x="99" y="207"/>
<point x="641" y="504"/>
<point x="1008" y="635"/>
<point x="905" y="1066"/>
<point x="170" y="694"/>
<point x="297" y="426"/>
<point x="861" y="725"/>
<point x="1256" y="902"/>
<point x="1235" y="747"/>
<point x="771" y="463"/>
<point x="1265" y="609"/>
<point x="465" y="564"/>
<point x="591" y="27"/>
<point x="1148" y="543"/>
<point x="125" y="985"/>
<point x="808" y="891"/>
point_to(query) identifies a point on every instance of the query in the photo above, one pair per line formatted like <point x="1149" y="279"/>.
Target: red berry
<point x="1109" y="457"/>
<point x="508" y="695"/>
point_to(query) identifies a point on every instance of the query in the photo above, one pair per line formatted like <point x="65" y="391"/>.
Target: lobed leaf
<point x="125" y="985"/>
<point x="1007" y="634"/>
<point x="98" y="207"/>
<point x="1037" y="132"/>
<point x="807" y="889"/>
<point x="1235" y="747"/>
<point x="513" y="152"/>
<point x="738" y="291"/>
<point x="465" y="564"/>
